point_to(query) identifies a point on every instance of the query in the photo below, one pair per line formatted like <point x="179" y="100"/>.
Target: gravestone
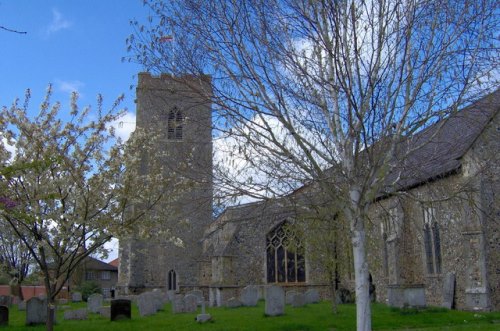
<point x="77" y="314"/>
<point x="36" y="311"/>
<point x="190" y="303"/>
<point x="203" y="317"/>
<point x="233" y="303"/>
<point x="298" y="300"/>
<point x="5" y="300"/>
<point x="448" y="290"/>
<point x="4" y="315"/>
<point x="170" y="295"/>
<point x="94" y="302"/>
<point x="178" y="304"/>
<point x="158" y="299"/>
<point x="249" y="296"/>
<point x="275" y="301"/>
<point x="289" y="296"/>
<point x="76" y="297"/>
<point x="146" y="304"/>
<point x="121" y="309"/>
<point x="105" y="311"/>
<point x="62" y="301"/>
<point x="21" y="306"/>
<point x="312" y="296"/>
<point x="198" y="294"/>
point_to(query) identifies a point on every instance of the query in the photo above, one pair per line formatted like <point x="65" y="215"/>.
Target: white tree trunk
<point x="355" y="216"/>
<point x="363" y="312"/>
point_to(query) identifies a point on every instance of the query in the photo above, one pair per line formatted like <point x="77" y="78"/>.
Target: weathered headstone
<point x="62" y="301"/>
<point x="448" y="290"/>
<point x="94" y="302"/>
<point x="298" y="300"/>
<point x="21" y="306"/>
<point x="36" y="311"/>
<point x="146" y="304"/>
<point x="5" y="300"/>
<point x="76" y="297"/>
<point x="4" y="315"/>
<point x="289" y="296"/>
<point x="190" y="303"/>
<point x="275" y="301"/>
<point x="249" y="296"/>
<point x="105" y="311"/>
<point x="178" y="304"/>
<point x="158" y="299"/>
<point x="198" y="294"/>
<point x="233" y="303"/>
<point x="121" y="309"/>
<point x="312" y="296"/>
<point x="171" y="295"/>
<point x="77" y="314"/>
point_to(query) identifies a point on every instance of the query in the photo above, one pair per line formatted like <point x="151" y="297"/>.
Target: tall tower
<point x="177" y="111"/>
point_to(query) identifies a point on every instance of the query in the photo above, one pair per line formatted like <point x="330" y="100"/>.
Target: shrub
<point x="88" y="288"/>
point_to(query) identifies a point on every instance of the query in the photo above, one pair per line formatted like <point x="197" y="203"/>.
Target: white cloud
<point x="67" y="86"/>
<point x="58" y="23"/>
<point x="124" y="126"/>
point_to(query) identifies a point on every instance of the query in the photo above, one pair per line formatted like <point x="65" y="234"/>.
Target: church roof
<point x="438" y="150"/>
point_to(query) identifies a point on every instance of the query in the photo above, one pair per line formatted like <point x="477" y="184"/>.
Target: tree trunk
<point x="363" y="312"/>
<point x="51" y="312"/>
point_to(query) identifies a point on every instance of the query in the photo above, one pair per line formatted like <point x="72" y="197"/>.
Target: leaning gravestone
<point x="94" y="302"/>
<point x="76" y="297"/>
<point x="178" y="304"/>
<point x="249" y="296"/>
<point x="36" y="311"/>
<point x="146" y="304"/>
<point x="275" y="301"/>
<point x="190" y="303"/>
<point x="448" y="290"/>
<point x="298" y="300"/>
<point x="77" y="314"/>
<point x="289" y="296"/>
<point x="4" y="315"/>
<point x="312" y="296"/>
<point x="121" y="309"/>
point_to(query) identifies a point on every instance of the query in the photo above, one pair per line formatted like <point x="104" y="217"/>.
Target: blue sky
<point x="74" y="45"/>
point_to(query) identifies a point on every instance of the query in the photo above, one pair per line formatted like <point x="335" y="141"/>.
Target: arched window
<point x="172" y="280"/>
<point x="285" y="256"/>
<point x="175" y="124"/>
<point x="432" y="242"/>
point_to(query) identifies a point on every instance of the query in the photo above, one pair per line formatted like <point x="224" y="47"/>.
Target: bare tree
<point x="326" y="92"/>
<point x="68" y="186"/>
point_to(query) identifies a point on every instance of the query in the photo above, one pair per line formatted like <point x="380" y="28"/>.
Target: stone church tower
<point x="178" y="111"/>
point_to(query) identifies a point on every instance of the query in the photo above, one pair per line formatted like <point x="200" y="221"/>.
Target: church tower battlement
<point x="177" y="110"/>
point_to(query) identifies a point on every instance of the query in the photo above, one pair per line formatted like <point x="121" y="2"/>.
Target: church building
<point x="434" y="239"/>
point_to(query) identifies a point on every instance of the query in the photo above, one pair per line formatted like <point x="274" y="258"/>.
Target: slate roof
<point x="94" y="264"/>
<point x="438" y="150"/>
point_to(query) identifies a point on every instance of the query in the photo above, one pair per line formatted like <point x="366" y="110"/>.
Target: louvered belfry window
<point x="175" y="124"/>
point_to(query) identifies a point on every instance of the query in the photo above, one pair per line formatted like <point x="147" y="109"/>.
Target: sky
<point x="73" y="45"/>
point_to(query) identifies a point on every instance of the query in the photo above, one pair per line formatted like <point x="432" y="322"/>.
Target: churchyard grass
<point x="308" y="318"/>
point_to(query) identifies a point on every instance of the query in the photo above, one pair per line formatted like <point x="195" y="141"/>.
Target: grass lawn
<point x="308" y="318"/>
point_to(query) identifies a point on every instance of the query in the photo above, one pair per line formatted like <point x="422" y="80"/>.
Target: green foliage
<point x="88" y="288"/>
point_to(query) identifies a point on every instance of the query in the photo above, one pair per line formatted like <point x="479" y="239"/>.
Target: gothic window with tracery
<point x="175" y="124"/>
<point x="432" y="242"/>
<point x="285" y="256"/>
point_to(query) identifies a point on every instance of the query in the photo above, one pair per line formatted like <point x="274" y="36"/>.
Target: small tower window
<point x="172" y="280"/>
<point x="432" y="242"/>
<point x="175" y="124"/>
